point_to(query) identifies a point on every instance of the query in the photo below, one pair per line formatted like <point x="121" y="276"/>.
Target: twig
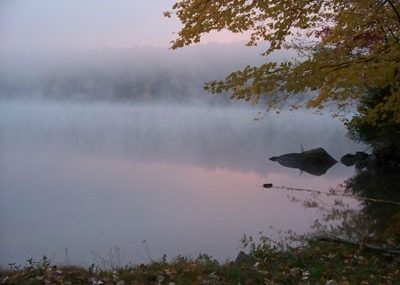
<point x="334" y="194"/>
<point x="367" y="246"/>
<point x="147" y="249"/>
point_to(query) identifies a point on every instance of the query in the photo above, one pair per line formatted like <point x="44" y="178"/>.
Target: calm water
<point x="88" y="177"/>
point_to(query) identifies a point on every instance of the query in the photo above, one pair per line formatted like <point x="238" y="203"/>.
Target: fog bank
<point x="135" y="74"/>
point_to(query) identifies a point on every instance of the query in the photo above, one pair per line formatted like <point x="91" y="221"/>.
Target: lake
<point x="152" y="179"/>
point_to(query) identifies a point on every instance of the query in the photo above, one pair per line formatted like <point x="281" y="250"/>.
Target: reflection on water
<point x="186" y="179"/>
<point x="381" y="211"/>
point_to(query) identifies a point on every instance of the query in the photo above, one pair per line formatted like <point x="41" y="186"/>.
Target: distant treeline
<point x="135" y="74"/>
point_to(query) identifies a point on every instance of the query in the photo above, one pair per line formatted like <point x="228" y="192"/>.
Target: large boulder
<point x="315" y="161"/>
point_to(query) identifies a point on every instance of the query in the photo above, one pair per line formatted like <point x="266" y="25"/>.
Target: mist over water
<point x="111" y="147"/>
<point x="133" y="74"/>
<point x="187" y="178"/>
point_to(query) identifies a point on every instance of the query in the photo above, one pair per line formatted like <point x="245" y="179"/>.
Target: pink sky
<point x="77" y="24"/>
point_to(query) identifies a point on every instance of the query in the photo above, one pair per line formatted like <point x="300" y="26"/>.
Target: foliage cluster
<point x="344" y="48"/>
<point x="383" y="134"/>
<point x="313" y="263"/>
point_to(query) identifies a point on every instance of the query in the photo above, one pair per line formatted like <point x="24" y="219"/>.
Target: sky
<point x="89" y="24"/>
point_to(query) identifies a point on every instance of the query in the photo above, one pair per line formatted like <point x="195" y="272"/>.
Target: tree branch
<point x="394" y="9"/>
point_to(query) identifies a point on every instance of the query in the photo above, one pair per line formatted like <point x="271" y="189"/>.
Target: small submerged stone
<point x="359" y="159"/>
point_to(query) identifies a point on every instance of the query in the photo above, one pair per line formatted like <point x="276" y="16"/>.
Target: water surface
<point x="187" y="179"/>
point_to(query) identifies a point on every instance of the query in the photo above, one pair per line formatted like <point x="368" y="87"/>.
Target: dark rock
<point x="243" y="257"/>
<point x="314" y="161"/>
<point x="348" y="159"/>
<point x="360" y="159"/>
<point x="360" y="155"/>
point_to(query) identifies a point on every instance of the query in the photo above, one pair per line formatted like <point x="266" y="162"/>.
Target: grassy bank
<point x="314" y="263"/>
